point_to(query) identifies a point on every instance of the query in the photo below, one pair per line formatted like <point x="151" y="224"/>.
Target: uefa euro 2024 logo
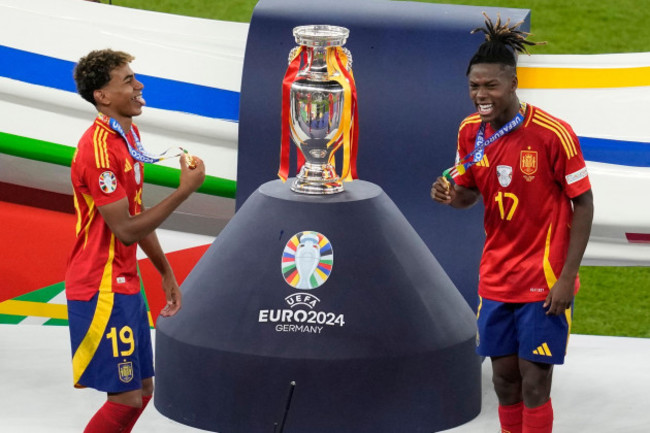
<point x="307" y="260"/>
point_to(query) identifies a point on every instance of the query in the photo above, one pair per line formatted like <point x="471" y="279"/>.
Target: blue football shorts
<point x="523" y="329"/>
<point x="111" y="342"/>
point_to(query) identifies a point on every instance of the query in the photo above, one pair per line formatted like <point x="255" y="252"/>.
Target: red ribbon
<point x="285" y="145"/>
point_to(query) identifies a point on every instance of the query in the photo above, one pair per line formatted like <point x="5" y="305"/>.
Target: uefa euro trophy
<point x="319" y="110"/>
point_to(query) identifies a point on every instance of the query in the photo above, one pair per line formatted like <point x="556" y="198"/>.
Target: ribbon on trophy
<point x="285" y="144"/>
<point x="476" y="155"/>
<point x="139" y="153"/>
<point x="350" y="113"/>
<point x="337" y="66"/>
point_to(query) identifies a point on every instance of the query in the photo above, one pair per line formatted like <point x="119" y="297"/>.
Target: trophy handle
<point x="292" y="53"/>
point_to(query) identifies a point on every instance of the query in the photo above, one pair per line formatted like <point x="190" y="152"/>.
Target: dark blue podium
<point x="377" y="340"/>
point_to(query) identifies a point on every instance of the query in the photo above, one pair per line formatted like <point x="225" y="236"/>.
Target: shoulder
<point x="545" y="121"/>
<point x="95" y="145"/>
<point x="470" y="123"/>
<point x="553" y="130"/>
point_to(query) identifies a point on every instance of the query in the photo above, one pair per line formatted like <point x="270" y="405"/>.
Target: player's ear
<point x="101" y="97"/>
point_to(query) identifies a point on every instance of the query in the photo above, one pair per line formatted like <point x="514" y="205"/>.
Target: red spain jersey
<point x="527" y="179"/>
<point x="102" y="172"/>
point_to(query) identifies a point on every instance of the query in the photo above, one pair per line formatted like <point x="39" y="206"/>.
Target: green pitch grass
<point x="613" y="300"/>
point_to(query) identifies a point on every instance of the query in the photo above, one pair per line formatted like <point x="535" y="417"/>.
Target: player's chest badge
<point x="504" y="174"/>
<point x="528" y="163"/>
<point x="137" y="173"/>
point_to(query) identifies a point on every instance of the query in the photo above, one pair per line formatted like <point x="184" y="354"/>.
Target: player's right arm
<point x="132" y="228"/>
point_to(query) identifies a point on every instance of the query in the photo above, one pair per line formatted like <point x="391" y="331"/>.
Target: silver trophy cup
<point x="316" y="110"/>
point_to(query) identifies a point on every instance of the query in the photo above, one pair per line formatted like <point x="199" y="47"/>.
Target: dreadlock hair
<point x="502" y="43"/>
<point x="93" y="71"/>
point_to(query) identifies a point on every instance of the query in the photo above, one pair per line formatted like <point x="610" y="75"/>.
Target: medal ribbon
<point x="139" y="153"/>
<point x="476" y="155"/>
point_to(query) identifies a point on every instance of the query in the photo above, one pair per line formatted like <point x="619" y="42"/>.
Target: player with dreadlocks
<point x="528" y="167"/>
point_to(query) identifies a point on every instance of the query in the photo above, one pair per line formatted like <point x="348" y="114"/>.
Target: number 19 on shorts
<point x="122" y="341"/>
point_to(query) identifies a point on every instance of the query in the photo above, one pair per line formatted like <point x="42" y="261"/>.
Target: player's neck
<point x="124" y="121"/>
<point x="507" y="115"/>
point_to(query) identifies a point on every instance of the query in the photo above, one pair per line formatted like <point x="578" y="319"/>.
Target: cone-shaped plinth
<point x="380" y="342"/>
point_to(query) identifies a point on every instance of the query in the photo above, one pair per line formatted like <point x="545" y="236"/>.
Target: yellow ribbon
<point x="337" y="75"/>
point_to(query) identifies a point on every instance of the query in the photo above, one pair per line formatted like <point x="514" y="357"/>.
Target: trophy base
<point x="303" y="186"/>
<point x="317" y="179"/>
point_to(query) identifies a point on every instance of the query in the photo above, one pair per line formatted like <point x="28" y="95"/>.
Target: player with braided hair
<point x="528" y="168"/>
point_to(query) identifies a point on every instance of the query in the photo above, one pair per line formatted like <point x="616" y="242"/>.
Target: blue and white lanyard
<point x="480" y="144"/>
<point x="139" y="153"/>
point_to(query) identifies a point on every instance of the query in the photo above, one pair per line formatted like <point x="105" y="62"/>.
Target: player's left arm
<point x="151" y="247"/>
<point x="561" y="294"/>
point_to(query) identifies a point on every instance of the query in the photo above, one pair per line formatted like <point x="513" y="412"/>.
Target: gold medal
<point x="447" y="184"/>
<point x="191" y="164"/>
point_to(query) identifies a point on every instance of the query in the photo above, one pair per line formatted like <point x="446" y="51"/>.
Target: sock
<point x="111" y="418"/>
<point x="145" y="401"/>
<point x="511" y="417"/>
<point x="539" y="419"/>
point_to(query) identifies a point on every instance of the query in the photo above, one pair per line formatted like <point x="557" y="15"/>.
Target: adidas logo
<point x="543" y="350"/>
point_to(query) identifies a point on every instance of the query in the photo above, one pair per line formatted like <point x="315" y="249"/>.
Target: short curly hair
<point x="93" y="71"/>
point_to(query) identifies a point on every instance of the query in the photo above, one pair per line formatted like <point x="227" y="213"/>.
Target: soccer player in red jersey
<point x="109" y="325"/>
<point x="528" y="168"/>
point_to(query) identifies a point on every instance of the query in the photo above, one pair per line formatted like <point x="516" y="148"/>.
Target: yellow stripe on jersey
<point x="563" y="129"/>
<point x="101" y="150"/>
<point x="548" y="270"/>
<point x="469" y="121"/>
<point x="530" y="115"/>
<point x="95" y="147"/>
<point x="475" y="118"/>
<point x="77" y="228"/>
<point x="90" y="204"/>
<point x="553" y="125"/>
<point x="88" y="346"/>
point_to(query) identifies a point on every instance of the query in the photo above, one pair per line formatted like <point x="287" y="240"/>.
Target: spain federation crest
<point x="528" y="162"/>
<point x="107" y="182"/>
<point x="125" y="371"/>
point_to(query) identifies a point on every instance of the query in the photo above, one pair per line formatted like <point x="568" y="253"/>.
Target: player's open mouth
<point x="139" y="99"/>
<point x="484" y="109"/>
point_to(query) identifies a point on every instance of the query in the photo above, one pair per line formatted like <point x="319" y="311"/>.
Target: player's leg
<point x="538" y="408"/>
<point x="497" y="339"/>
<point x="142" y="397"/>
<point x="142" y="335"/>
<point x="536" y="382"/>
<point x="543" y="343"/>
<point x="506" y="379"/>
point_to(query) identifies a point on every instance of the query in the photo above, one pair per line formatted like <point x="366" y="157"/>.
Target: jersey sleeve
<point x="569" y="165"/>
<point x="102" y="173"/>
